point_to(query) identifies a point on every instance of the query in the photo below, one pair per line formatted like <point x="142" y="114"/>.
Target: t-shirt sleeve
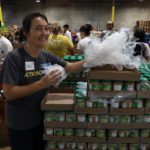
<point x="11" y="70"/>
<point x="56" y="60"/>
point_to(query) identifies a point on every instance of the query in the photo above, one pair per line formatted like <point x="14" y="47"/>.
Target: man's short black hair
<point x="66" y="26"/>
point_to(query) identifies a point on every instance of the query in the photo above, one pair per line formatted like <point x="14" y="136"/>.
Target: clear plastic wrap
<point x="50" y="68"/>
<point x="117" y="50"/>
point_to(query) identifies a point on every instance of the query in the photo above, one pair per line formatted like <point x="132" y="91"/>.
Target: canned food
<point x="51" y="145"/>
<point x="124" y="133"/>
<point x="130" y="86"/>
<point x="134" y="133"/>
<point x="103" y="118"/>
<point x="146" y="118"/>
<point x="114" y="119"/>
<point x="122" y="147"/>
<point x="126" y="104"/>
<point x="96" y="86"/>
<point x="81" y="146"/>
<point x="69" y="132"/>
<point x="145" y="133"/>
<point x="60" y="117"/>
<point x="71" y="145"/>
<point x="137" y="103"/>
<point x="117" y="85"/>
<point x="50" y="117"/>
<point x="70" y="117"/>
<point x="134" y="146"/>
<point x="49" y="131"/>
<point x="90" y="133"/>
<point x="80" y="103"/>
<point x="100" y="133"/>
<point x="80" y="132"/>
<point x="89" y="104"/>
<point x="137" y="119"/>
<point x="59" y="131"/>
<point x="113" y="133"/>
<point x="147" y="103"/>
<point x="106" y="85"/>
<point x="92" y="146"/>
<point x="81" y="117"/>
<point x="93" y="118"/>
<point x="61" y="145"/>
<point x="102" y="146"/>
<point x="112" y="146"/>
<point x="125" y="119"/>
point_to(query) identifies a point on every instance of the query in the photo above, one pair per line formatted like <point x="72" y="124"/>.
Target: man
<point x="67" y="32"/>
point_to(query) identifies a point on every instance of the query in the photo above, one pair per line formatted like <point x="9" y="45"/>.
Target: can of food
<point x="89" y="104"/>
<point x="117" y="85"/>
<point x="134" y="146"/>
<point x="92" y="146"/>
<point x="124" y="133"/>
<point x="102" y="146"/>
<point x="112" y="146"/>
<point x="100" y="133"/>
<point x="103" y="118"/>
<point x="51" y="145"/>
<point x="50" y="117"/>
<point x="138" y="103"/>
<point x="69" y="132"/>
<point x="145" y="133"/>
<point x="137" y="119"/>
<point x="59" y="131"/>
<point x="130" y="86"/>
<point x="60" y="117"/>
<point x="80" y="132"/>
<point x="144" y="146"/>
<point x="90" y="133"/>
<point x="106" y="85"/>
<point x="147" y="103"/>
<point x="125" y="119"/>
<point x="49" y="131"/>
<point x="113" y="133"/>
<point x="114" y="119"/>
<point x="134" y="133"/>
<point x="115" y="105"/>
<point x="70" y="117"/>
<point x="122" y="146"/>
<point x="146" y="118"/>
<point x="93" y="118"/>
<point x="126" y="104"/>
<point x="102" y="104"/>
<point x="80" y="103"/>
<point x="96" y="86"/>
<point x="81" y="146"/>
<point x="71" y="145"/>
<point x="61" y="145"/>
<point x="81" y="117"/>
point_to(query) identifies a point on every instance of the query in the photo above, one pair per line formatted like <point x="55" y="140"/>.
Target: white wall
<point x="77" y="14"/>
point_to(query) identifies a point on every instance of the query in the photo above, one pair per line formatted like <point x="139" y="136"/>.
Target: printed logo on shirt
<point x="29" y="65"/>
<point x="33" y="74"/>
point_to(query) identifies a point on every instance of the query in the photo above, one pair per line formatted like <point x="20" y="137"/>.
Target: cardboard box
<point x="65" y="124"/>
<point x="127" y="111"/>
<point x="140" y="125"/>
<point x="58" y="138"/>
<point x="123" y="140"/>
<point x="111" y="73"/>
<point x="145" y="140"/>
<point x="109" y="126"/>
<point x="62" y="90"/>
<point x="58" y="101"/>
<point x="91" y="139"/>
<point x="91" y="110"/>
<point x="143" y="94"/>
<point x="147" y="111"/>
<point x="112" y="94"/>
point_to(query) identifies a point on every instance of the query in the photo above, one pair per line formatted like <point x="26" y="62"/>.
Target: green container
<point x="70" y="117"/>
<point x="145" y="133"/>
<point x="112" y="146"/>
<point x="67" y="57"/>
<point x="106" y="85"/>
<point x="51" y="145"/>
<point x="80" y="103"/>
<point x="96" y="86"/>
<point x="104" y="118"/>
<point x="90" y="133"/>
<point x="134" y="147"/>
<point x="100" y="133"/>
<point x="80" y="132"/>
<point x="69" y="132"/>
<point x="122" y="146"/>
<point x="134" y="133"/>
<point x="125" y="119"/>
<point x="59" y="131"/>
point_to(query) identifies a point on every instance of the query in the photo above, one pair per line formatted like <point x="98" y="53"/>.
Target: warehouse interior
<point x="105" y="106"/>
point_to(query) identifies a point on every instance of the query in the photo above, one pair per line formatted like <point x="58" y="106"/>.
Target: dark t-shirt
<point x="22" y="69"/>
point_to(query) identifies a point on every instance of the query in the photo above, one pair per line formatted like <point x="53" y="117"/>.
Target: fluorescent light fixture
<point x="141" y="0"/>
<point x="37" y="1"/>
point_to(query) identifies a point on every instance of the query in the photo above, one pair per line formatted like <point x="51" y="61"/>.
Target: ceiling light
<point x="141" y="0"/>
<point x="37" y="1"/>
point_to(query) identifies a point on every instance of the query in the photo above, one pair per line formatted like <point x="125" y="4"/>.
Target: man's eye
<point x="38" y="29"/>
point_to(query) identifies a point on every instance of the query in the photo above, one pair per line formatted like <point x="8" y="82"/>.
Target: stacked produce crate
<point x="110" y="112"/>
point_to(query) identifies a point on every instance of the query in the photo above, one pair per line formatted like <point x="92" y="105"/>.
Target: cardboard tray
<point x="109" y="126"/>
<point x="91" y="110"/>
<point x="91" y="139"/>
<point x="113" y="74"/>
<point x="62" y="90"/>
<point x="147" y="111"/>
<point x="123" y="140"/>
<point x="127" y="111"/>
<point x="141" y="126"/>
<point x="58" y="138"/>
<point x="111" y="94"/>
<point x="65" y="124"/>
<point x="143" y="94"/>
<point x="58" y="101"/>
<point x="145" y="140"/>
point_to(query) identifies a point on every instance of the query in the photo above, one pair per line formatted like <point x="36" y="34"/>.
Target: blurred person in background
<point x="59" y="44"/>
<point x="67" y="32"/>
